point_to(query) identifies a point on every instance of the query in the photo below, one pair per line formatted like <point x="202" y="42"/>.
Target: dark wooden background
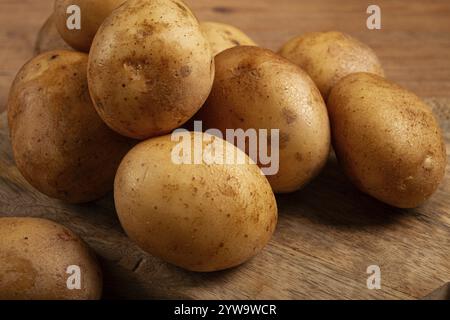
<point x="328" y="233"/>
<point x="414" y="43"/>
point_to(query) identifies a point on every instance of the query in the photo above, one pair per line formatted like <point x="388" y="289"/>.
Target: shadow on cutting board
<point x="442" y="293"/>
<point x="331" y="199"/>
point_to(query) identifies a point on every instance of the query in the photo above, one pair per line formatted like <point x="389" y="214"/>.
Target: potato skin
<point x="150" y="68"/>
<point x="93" y="13"/>
<point x="60" y="144"/>
<point x="201" y="217"/>
<point x="223" y="36"/>
<point x="329" y="56"/>
<point x="34" y="257"/>
<point x="255" y="88"/>
<point x="387" y="140"/>
<point x="49" y="38"/>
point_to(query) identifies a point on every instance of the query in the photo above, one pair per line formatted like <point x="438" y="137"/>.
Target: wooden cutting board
<point x="327" y="237"/>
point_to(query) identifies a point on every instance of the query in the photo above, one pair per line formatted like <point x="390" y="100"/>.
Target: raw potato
<point x="34" y="258"/>
<point x="387" y="140"/>
<point x="150" y="68"/>
<point x="329" y="56"/>
<point x="199" y="217"/>
<point x="93" y="13"/>
<point x="224" y="36"/>
<point x="49" y="38"/>
<point x="60" y="144"/>
<point x="257" y="89"/>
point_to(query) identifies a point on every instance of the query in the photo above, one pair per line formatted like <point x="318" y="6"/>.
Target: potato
<point x="150" y="68"/>
<point x="224" y="36"/>
<point x="35" y="256"/>
<point x="60" y="144"/>
<point x="257" y="89"/>
<point x="49" y="39"/>
<point x="92" y="15"/>
<point x="387" y="140"/>
<point x="329" y="56"/>
<point x="201" y="217"/>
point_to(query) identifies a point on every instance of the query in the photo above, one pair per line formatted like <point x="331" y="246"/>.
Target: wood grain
<point x="328" y="234"/>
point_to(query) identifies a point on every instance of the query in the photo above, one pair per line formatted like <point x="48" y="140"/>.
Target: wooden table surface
<point x="329" y="233"/>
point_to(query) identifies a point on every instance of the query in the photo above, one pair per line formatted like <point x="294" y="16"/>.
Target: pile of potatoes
<point x="94" y="112"/>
